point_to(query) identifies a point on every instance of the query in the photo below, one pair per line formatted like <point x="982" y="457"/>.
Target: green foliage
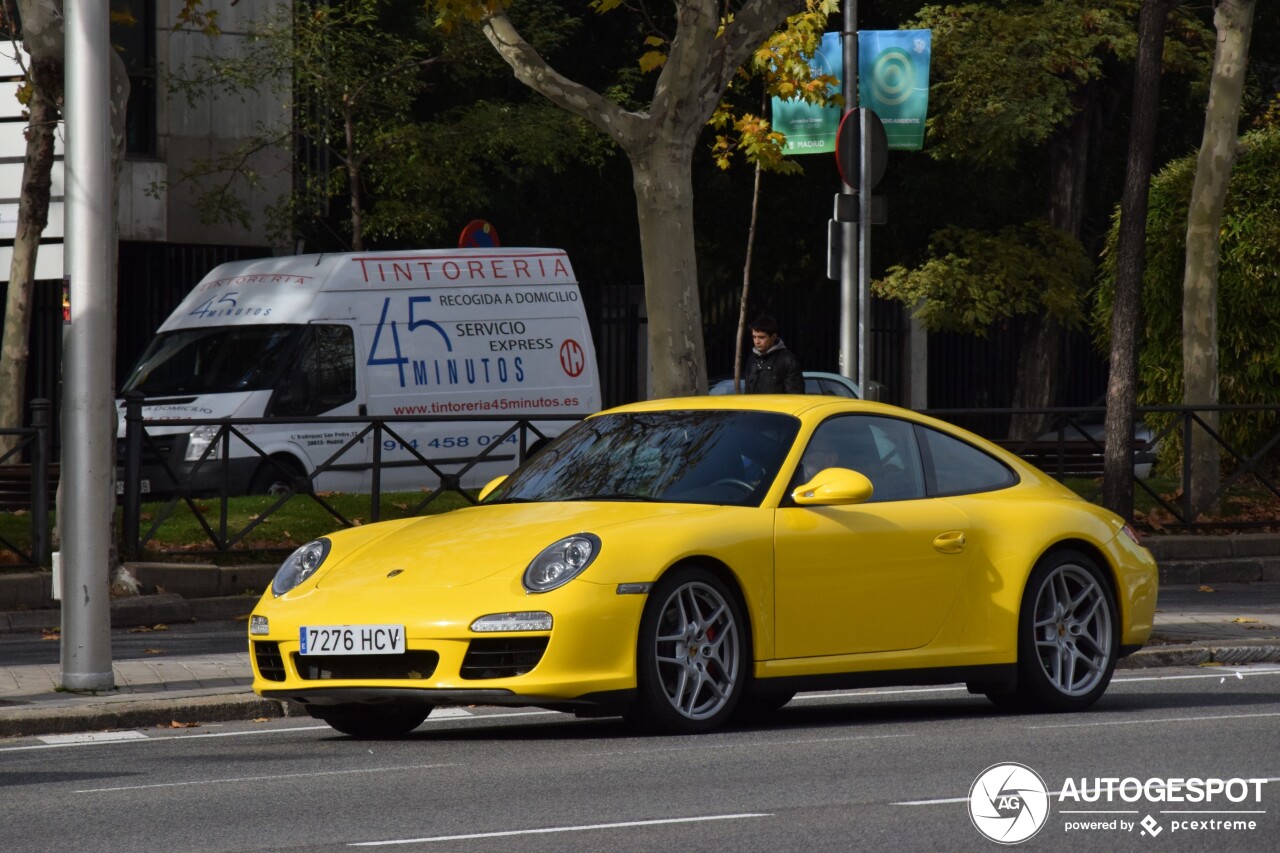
<point x="1007" y="75"/>
<point x="1248" y="287"/>
<point x="972" y="280"/>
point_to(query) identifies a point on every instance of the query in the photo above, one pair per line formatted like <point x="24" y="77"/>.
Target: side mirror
<point x="491" y="485"/>
<point x="834" y="487"/>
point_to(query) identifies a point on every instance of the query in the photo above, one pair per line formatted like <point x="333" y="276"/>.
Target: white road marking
<point x="555" y="829"/>
<point x="263" y="778"/>
<point x="90" y="737"/>
<point x="1197" y="719"/>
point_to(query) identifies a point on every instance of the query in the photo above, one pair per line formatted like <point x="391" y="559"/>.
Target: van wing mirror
<point x="834" y="487"/>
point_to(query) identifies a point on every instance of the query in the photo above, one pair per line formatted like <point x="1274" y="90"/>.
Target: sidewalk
<point x="1208" y="624"/>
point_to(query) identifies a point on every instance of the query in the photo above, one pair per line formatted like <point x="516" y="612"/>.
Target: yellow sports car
<point x="685" y="561"/>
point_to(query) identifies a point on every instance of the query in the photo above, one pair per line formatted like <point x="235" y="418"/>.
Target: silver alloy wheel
<point x="1072" y="630"/>
<point x="696" y="650"/>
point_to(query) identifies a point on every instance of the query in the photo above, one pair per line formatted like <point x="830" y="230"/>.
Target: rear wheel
<point x="1068" y="636"/>
<point x="372" y="721"/>
<point x="692" y="658"/>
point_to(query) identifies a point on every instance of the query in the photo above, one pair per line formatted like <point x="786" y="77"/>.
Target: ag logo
<point x="1008" y="803"/>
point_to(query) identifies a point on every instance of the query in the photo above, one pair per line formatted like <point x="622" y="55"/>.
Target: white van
<point x="458" y="333"/>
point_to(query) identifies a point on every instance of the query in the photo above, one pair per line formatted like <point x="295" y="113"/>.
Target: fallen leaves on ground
<point x="177" y="724"/>
<point x="1206" y="588"/>
<point x="1243" y="620"/>
<point x="51" y="633"/>
<point x="152" y="651"/>
<point x="148" y="629"/>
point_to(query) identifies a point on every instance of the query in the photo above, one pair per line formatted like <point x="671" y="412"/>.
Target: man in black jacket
<point x="771" y="367"/>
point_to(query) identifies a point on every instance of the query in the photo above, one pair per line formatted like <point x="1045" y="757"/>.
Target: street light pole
<point x="850" y="359"/>
<point x="88" y="411"/>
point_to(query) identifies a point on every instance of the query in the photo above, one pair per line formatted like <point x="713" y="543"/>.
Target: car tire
<point x="1068" y="636"/>
<point x="692" y="659"/>
<point x="372" y="722"/>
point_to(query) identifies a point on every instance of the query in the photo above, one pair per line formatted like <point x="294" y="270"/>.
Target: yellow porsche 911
<point x="682" y="562"/>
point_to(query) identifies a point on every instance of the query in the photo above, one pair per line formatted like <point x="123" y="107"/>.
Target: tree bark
<point x="1039" y="365"/>
<point x="1234" y="22"/>
<point x="42" y="37"/>
<point x="1131" y="247"/>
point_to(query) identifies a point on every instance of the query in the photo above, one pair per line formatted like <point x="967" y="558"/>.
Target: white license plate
<point x="352" y="639"/>
<point x="144" y="487"/>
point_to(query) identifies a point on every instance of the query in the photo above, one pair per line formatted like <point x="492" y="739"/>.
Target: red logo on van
<point x="572" y="358"/>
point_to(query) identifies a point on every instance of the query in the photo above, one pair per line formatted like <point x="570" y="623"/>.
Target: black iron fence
<point x="209" y="476"/>
<point x="1070" y="446"/>
<point x="26" y="478"/>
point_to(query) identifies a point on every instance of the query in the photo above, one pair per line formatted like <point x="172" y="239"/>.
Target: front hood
<point x="467" y="545"/>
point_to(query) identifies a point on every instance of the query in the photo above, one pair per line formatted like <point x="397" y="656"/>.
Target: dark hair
<point x="765" y="323"/>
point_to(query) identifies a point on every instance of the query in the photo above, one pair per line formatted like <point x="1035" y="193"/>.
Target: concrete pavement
<point x="1204" y="623"/>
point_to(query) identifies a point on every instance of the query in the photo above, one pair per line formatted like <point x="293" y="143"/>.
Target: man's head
<point x="764" y="332"/>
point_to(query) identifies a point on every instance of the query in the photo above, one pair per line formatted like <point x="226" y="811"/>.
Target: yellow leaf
<point x="1243" y="620"/>
<point x="651" y="60"/>
<point x="1207" y="588"/>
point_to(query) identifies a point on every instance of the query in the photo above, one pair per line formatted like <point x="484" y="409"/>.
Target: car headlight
<point x="561" y="562"/>
<point x="199" y="440"/>
<point x="299" y="566"/>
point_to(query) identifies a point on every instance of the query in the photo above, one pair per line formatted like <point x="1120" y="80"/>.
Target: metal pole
<point x="850" y="355"/>
<point x="89" y="416"/>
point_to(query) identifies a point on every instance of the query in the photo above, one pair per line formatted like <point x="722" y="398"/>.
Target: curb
<point x="133" y="611"/>
<point x="116" y="713"/>
<point x="1201" y="654"/>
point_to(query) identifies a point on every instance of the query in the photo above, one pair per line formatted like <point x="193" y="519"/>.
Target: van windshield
<point x="214" y="360"/>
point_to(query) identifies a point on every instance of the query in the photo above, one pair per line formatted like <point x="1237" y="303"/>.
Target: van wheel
<point x="276" y="476"/>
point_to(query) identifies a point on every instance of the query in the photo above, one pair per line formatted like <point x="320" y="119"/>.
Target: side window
<point x="323" y="375"/>
<point x="882" y="449"/>
<point x="957" y="468"/>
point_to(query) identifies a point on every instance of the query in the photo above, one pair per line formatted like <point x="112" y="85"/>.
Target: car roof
<point x="787" y="404"/>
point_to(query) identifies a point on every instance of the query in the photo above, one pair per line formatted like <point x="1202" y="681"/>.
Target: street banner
<point x="893" y="82"/>
<point x="812" y="129"/>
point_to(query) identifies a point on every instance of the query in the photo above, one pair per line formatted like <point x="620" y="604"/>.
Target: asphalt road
<point x="862" y="770"/>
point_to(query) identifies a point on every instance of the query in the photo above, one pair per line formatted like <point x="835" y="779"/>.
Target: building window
<point x="133" y="34"/>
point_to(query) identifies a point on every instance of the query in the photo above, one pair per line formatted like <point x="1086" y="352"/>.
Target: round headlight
<point x="561" y="562"/>
<point x="299" y="566"/>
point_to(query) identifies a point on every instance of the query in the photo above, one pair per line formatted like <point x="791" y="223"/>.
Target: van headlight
<point x="199" y="440"/>
<point x="561" y="562"/>
<point x="299" y="566"/>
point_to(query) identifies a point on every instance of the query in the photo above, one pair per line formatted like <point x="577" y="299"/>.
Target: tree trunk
<point x="746" y="284"/>
<point x="1234" y="22"/>
<point x="33" y="216"/>
<point x="42" y="38"/>
<point x="1039" y="365"/>
<point x="1131" y="248"/>
<point x="663" y="183"/>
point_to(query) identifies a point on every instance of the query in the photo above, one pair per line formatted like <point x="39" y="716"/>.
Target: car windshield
<point x="712" y="457"/>
<point x="214" y="360"/>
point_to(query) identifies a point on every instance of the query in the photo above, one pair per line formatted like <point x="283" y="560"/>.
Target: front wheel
<point x="372" y="722"/>
<point x="692" y="655"/>
<point x="1068" y="636"/>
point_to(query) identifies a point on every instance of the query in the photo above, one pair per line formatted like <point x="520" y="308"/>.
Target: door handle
<point x="949" y="543"/>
